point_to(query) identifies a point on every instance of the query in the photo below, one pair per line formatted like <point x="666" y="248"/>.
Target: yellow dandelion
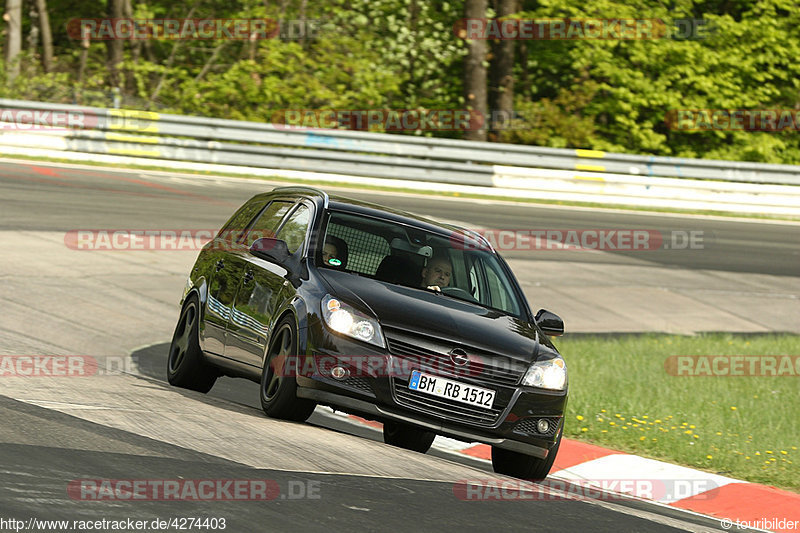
<point x="604" y="431"/>
<point x="758" y="453"/>
<point x="658" y="420"/>
<point x="642" y="438"/>
<point x="602" y="410"/>
<point x="719" y="433"/>
<point x="768" y="451"/>
<point x="696" y="436"/>
<point x="733" y="407"/>
<point x="645" y="416"/>
<point x="709" y="456"/>
<point x="687" y="432"/>
<point x="612" y="423"/>
<point x="579" y="417"/>
<point x="692" y="426"/>
<point x="584" y="430"/>
<point x="784" y="452"/>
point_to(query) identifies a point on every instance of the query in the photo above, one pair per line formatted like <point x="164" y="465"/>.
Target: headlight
<point x="550" y="374"/>
<point x="344" y="319"/>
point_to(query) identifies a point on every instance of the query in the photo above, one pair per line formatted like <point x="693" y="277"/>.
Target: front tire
<point x="185" y="365"/>
<point x="278" y="385"/>
<point x="523" y="466"/>
<point x="408" y="437"/>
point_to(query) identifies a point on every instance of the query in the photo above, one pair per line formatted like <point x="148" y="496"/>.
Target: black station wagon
<point x="376" y="312"/>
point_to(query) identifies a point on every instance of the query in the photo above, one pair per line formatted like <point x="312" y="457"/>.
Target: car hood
<point x="432" y="314"/>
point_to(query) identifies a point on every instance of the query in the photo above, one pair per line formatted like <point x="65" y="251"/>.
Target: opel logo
<point x="459" y="357"/>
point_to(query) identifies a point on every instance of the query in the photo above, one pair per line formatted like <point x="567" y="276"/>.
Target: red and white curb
<point x="731" y="500"/>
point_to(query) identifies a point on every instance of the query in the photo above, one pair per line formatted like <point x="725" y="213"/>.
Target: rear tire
<point x="408" y="437"/>
<point x="185" y="365"/>
<point x="523" y="466"/>
<point x="278" y="385"/>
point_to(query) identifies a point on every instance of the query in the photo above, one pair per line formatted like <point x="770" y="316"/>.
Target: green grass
<point x="361" y="187"/>
<point x="622" y="397"/>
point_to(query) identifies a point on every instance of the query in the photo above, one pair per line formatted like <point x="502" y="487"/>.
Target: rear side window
<point x="268" y="222"/>
<point x="294" y="229"/>
<point x="239" y="222"/>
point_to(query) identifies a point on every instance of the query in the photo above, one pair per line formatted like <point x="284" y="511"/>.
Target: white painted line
<point x="647" y="478"/>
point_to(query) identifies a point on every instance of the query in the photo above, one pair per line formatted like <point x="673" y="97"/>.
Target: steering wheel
<point x="459" y="293"/>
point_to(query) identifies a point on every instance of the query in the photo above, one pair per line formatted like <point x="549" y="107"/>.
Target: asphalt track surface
<point x="37" y="197"/>
<point x="134" y="426"/>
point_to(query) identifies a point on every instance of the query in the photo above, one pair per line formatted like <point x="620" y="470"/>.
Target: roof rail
<point x="307" y="190"/>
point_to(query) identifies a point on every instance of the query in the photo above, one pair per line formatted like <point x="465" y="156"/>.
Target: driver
<point x="437" y="273"/>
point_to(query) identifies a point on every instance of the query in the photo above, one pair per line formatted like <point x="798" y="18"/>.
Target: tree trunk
<point x="115" y="46"/>
<point x="502" y="74"/>
<point x="13" y="17"/>
<point x="85" y="42"/>
<point x="47" y="35"/>
<point x="475" y="71"/>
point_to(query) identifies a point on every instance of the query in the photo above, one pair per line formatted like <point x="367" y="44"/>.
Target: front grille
<point x="528" y="426"/>
<point x="485" y="368"/>
<point x="443" y="407"/>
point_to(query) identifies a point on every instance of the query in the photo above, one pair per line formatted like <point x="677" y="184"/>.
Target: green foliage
<point x="403" y="54"/>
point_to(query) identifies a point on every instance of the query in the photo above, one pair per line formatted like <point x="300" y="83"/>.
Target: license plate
<point x="452" y="390"/>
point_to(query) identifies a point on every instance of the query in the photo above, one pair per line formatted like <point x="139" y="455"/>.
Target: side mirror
<point x="549" y="322"/>
<point x="274" y="250"/>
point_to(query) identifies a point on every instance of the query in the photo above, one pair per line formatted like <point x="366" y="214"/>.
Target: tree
<point x="13" y="18"/>
<point x="475" y="71"/>
<point x="115" y="46"/>
<point x="47" y="35"/>
<point x="502" y="72"/>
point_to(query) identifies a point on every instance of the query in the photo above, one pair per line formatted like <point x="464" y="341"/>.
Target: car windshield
<point x="455" y="264"/>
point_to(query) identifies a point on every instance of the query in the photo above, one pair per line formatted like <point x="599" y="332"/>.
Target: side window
<point x="238" y="223"/>
<point x="500" y="292"/>
<point x="268" y="222"/>
<point x="294" y="229"/>
<point x="475" y="283"/>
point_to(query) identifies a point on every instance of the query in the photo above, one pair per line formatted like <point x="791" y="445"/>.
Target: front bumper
<point x="373" y="393"/>
<point x="371" y="410"/>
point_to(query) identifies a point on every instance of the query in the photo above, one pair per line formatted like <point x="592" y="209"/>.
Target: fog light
<point x="543" y="425"/>
<point x="339" y="372"/>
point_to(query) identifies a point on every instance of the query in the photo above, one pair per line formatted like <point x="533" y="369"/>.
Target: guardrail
<point x="582" y="175"/>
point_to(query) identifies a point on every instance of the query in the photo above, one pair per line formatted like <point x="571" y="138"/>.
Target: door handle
<point x="248" y="276"/>
<point x="220" y="265"/>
